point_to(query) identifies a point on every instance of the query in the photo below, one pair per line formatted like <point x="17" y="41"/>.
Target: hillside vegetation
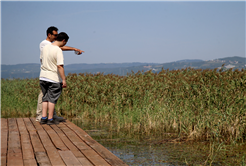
<point x="33" y="70"/>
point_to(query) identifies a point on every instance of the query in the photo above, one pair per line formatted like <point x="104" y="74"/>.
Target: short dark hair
<point x="61" y="36"/>
<point x="51" y="29"/>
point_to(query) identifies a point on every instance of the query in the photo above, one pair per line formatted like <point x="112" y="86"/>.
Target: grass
<point x="196" y="104"/>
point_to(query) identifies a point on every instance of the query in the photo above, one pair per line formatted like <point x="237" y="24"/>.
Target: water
<point x="141" y="150"/>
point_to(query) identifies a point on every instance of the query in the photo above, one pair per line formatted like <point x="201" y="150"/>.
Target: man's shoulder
<point x="52" y="47"/>
<point x="56" y="47"/>
<point x="45" y="42"/>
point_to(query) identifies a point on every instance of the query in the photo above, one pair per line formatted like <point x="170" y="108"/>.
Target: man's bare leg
<point x="51" y="120"/>
<point x="39" y="110"/>
<point x="51" y="110"/>
<point x="45" y="108"/>
<point x="44" y="119"/>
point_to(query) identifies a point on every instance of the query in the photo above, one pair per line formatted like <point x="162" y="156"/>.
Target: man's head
<point x="62" y="37"/>
<point x="52" y="33"/>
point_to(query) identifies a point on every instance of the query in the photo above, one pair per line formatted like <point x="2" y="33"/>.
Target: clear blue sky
<point x="117" y="32"/>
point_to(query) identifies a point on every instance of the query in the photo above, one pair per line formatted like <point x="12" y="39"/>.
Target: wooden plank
<point x="64" y="138"/>
<point x="69" y="158"/>
<point x="36" y="124"/>
<point x="89" y="153"/>
<point x="30" y="162"/>
<point x="73" y="137"/>
<point x="42" y="159"/>
<point x="83" y="160"/>
<point x="4" y="141"/>
<point x="29" y="125"/>
<point x="36" y="142"/>
<point x="3" y="160"/>
<point x="95" y="158"/>
<point x="39" y="151"/>
<point x="4" y="123"/>
<point x="101" y="150"/>
<point x="55" y="138"/>
<point x="21" y="126"/>
<point x="29" y="143"/>
<point x="26" y="145"/>
<point x="51" y="150"/>
<point x="14" y="159"/>
<point x="14" y="156"/>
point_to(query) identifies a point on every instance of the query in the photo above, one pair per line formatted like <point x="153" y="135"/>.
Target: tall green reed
<point x="194" y="103"/>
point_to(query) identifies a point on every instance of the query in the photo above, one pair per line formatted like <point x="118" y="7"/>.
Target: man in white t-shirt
<point x="51" y="33"/>
<point x="52" y="77"/>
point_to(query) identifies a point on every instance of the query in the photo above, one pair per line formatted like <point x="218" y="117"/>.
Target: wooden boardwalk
<point x="25" y="142"/>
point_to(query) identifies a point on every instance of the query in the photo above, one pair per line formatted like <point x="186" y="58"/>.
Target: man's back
<point x="51" y="56"/>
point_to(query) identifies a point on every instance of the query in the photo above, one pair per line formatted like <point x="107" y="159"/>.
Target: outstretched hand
<point x="80" y="51"/>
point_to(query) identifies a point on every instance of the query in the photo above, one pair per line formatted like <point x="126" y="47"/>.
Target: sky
<point x="123" y="31"/>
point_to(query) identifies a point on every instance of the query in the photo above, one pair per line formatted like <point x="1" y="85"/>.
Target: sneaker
<point x="52" y="122"/>
<point x="38" y="118"/>
<point x="43" y="121"/>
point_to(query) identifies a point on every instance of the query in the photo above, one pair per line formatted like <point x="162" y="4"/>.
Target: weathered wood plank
<point x="30" y="162"/>
<point x="26" y="145"/>
<point x="51" y="150"/>
<point x="39" y="151"/>
<point x="14" y="156"/>
<point x="36" y="142"/>
<point x="101" y="150"/>
<point x="4" y="123"/>
<point x="89" y="153"/>
<point x="64" y="138"/>
<point x="36" y="124"/>
<point x="29" y="125"/>
<point x="42" y="159"/>
<point x="21" y="126"/>
<point x="94" y="157"/>
<point x="73" y="137"/>
<point x="4" y="141"/>
<point x="69" y="158"/>
<point x="55" y="138"/>
<point x="3" y="160"/>
<point x="14" y="159"/>
<point x="25" y="142"/>
<point x="83" y="160"/>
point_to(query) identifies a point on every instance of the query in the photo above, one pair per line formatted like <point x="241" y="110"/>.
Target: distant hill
<point x="32" y="70"/>
<point x="190" y="60"/>
<point x="229" y="62"/>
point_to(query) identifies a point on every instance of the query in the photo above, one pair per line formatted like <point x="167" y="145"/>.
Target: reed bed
<point x="194" y="103"/>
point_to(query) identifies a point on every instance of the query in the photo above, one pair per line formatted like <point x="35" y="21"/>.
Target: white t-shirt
<point x="51" y="56"/>
<point x="41" y="46"/>
<point x="43" y="43"/>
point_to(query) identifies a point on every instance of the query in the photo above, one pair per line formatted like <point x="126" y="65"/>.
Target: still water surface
<point x="150" y="150"/>
<point x="132" y="150"/>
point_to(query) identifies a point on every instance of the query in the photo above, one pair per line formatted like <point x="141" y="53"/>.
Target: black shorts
<point x="51" y="91"/>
